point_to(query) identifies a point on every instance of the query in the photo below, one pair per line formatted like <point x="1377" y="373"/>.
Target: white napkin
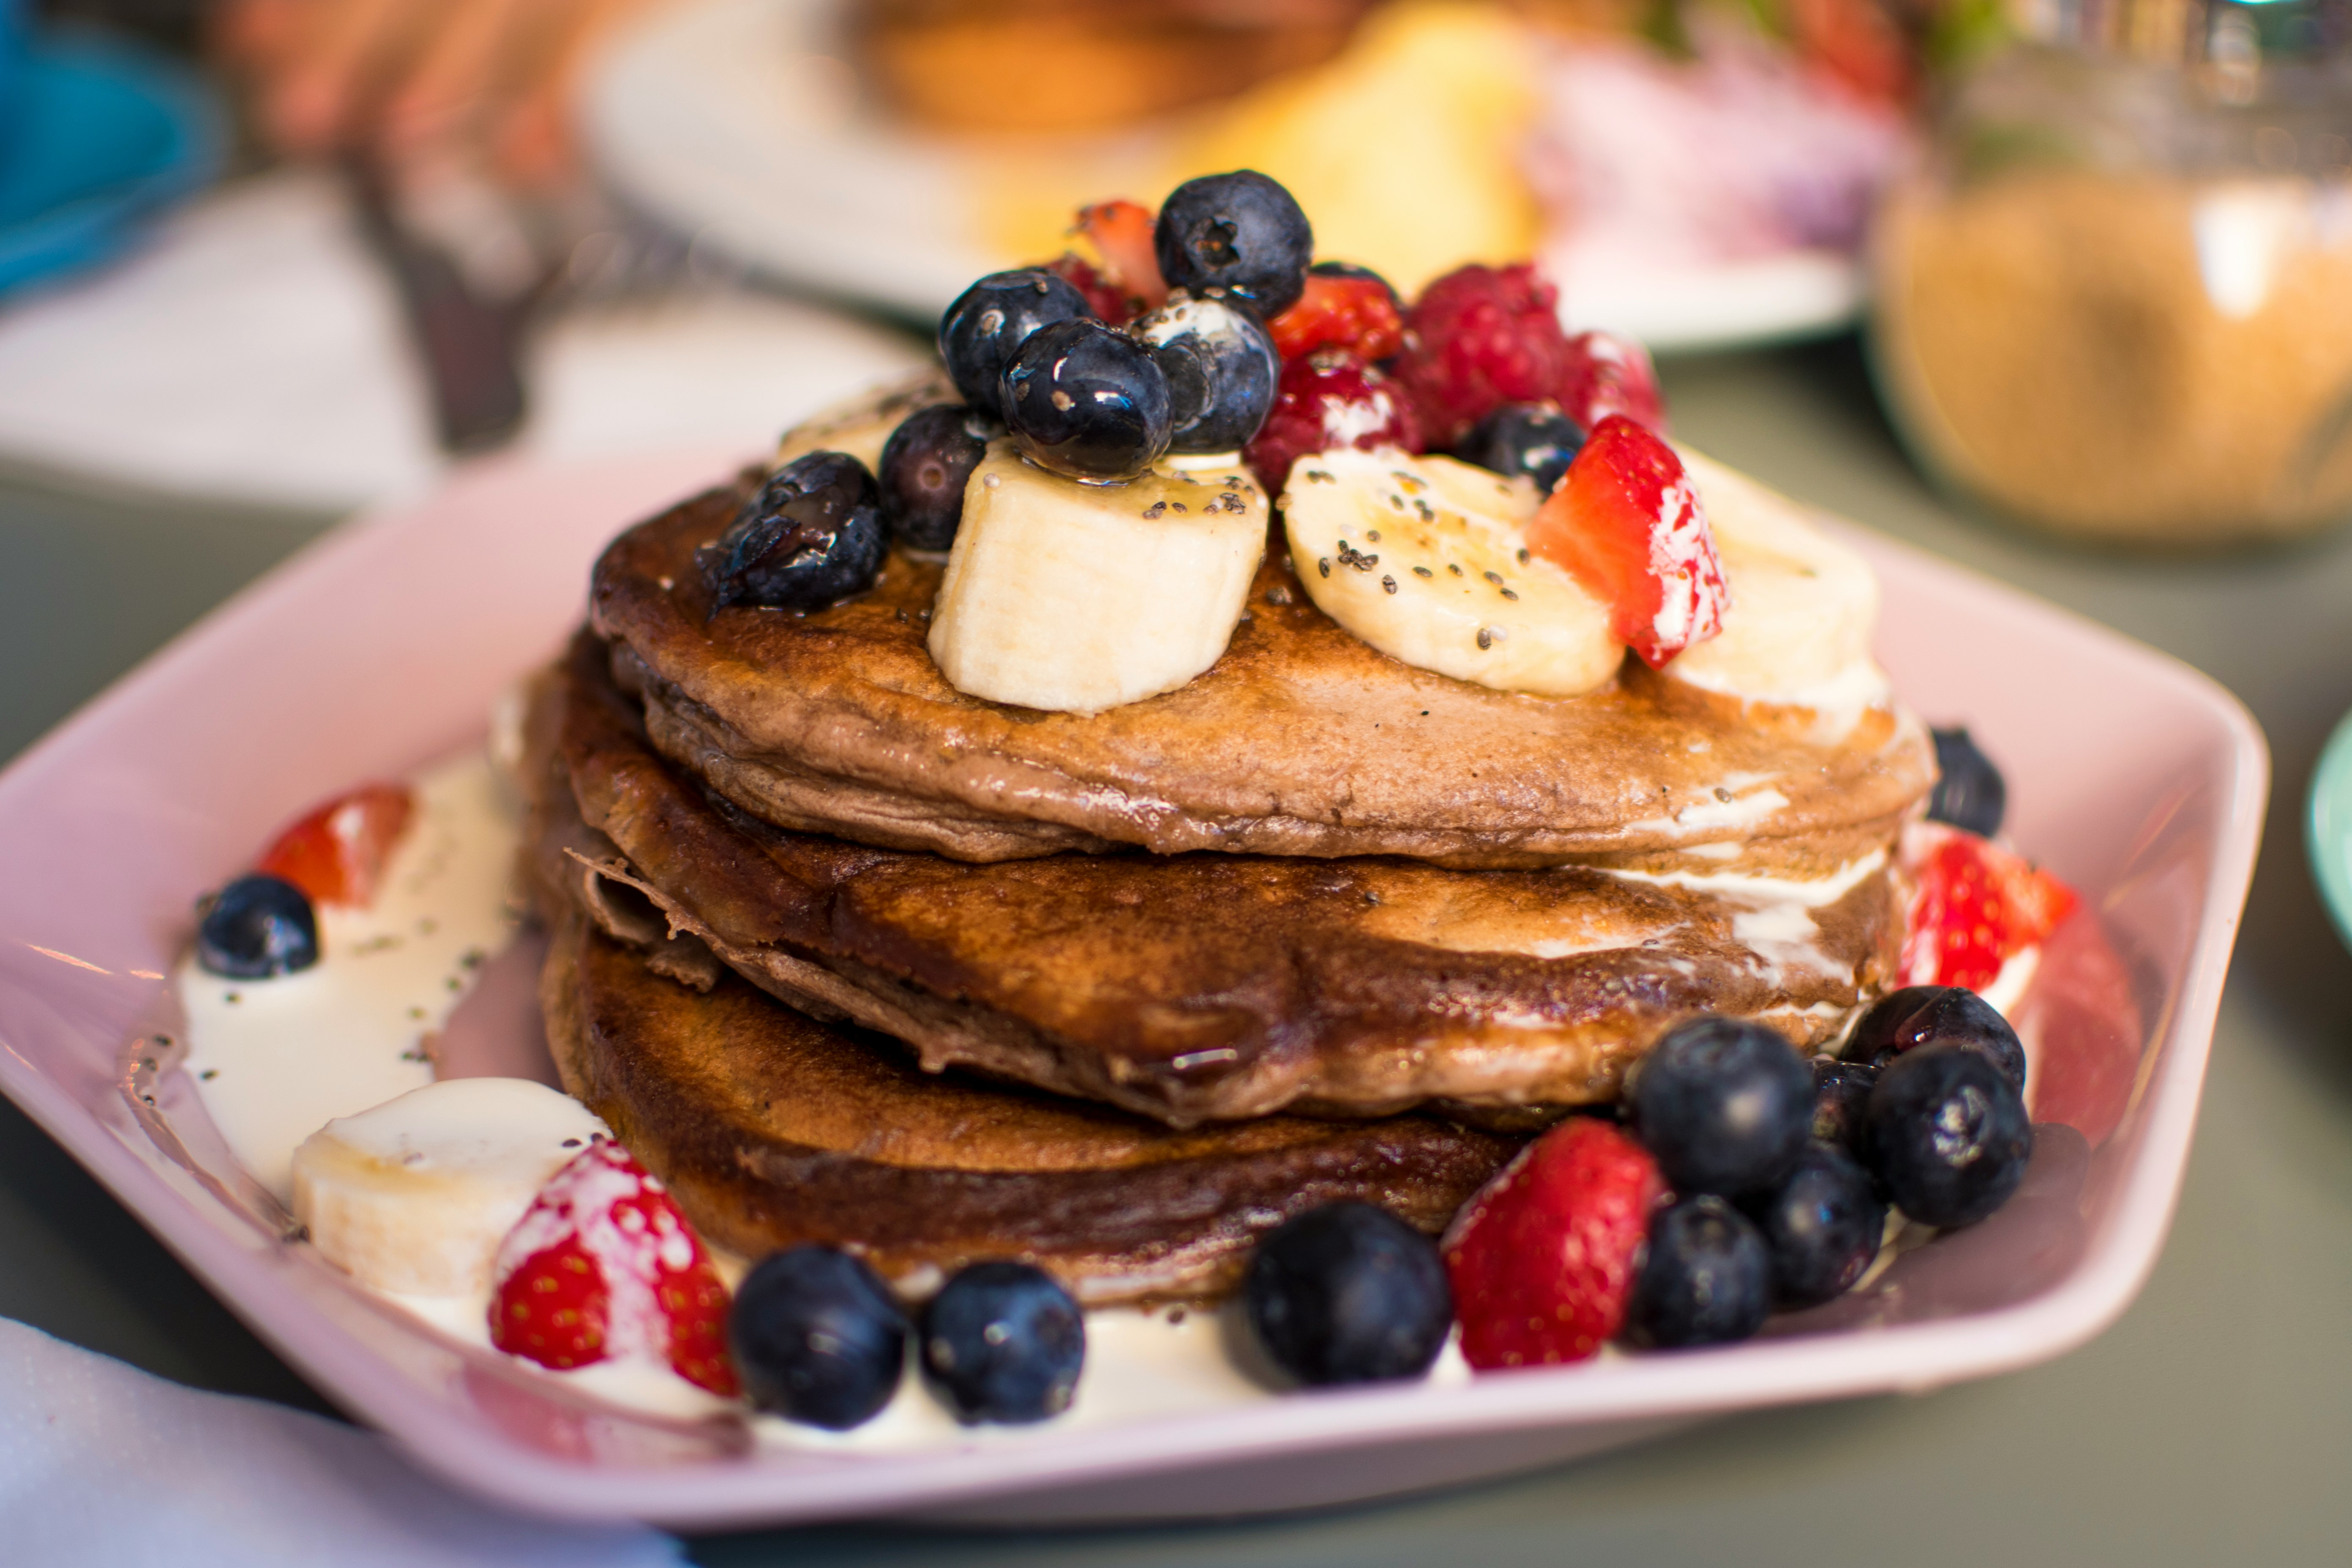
<point x="104" y="1465"/>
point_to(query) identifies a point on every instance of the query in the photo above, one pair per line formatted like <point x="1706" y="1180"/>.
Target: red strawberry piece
<point x="604" y="1266"/>
<point x="336" y="853"/>
<point x="1330" y="399"/>
<point x="2081" y="1025"/>
<point x="1104" y="298"/>
<point x="1356" y="311"/>
<point x="1609" y="375"/>
<point x="1543" y="1259"/>
<point x="1625" y="521"/>
<point x="1121" y="233"/>
<point x="1478" y="338"/>
<point x="1978" y="906"/>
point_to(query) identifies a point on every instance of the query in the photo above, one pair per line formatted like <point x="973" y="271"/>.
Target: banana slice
<point x="416" y="1195"/>
<point x="1078" y="598"/>
<point x="1804" y="607"/>
<point x="1423" y="558"/>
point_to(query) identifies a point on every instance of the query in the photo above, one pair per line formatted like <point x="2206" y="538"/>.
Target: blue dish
<point x="94" y="136"/>
<point x="2330" y="825"/>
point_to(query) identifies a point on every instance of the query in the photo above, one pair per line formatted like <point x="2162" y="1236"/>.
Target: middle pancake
<point x="1208" y="987"/>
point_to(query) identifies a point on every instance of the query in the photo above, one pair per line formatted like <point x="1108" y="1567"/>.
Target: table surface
<point x="2214" y="1418"/>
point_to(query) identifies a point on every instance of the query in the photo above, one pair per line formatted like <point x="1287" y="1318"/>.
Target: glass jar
<point x="2116" y="299"/>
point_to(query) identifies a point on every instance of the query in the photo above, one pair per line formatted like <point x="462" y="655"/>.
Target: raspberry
<point x="1609" y="375"/>
<point x="1481" y="337"/>
<point x="1105" y="299"/>
<point x="1330" y="399"/>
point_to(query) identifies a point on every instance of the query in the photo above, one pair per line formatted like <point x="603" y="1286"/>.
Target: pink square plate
<point x="385" y="645"/>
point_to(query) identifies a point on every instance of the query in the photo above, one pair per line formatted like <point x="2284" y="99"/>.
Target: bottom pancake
<point x="774" y="1130"/>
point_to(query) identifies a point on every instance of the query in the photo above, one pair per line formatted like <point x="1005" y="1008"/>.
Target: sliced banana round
<point x="1804" y="607"/>
<point x="1425" y="559"/>
<point x="414" y="1195"/>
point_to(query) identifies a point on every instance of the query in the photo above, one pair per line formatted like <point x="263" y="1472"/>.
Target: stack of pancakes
<point x="844" y="955"/>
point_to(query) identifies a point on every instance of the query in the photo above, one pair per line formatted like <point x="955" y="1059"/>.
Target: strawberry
<point x="1330" y="399"/>
<point x="336" y="853"/>
<point x="2084" y="1023"/>
<point x="1344" y="309"/>
<point x="1625" y="522"/>
<point x="1609" y="375"/>
<point x="1544" y="1258"/>
<point x="604" y="1266"/>
<point x="1480" y="337"/>
<point x="1977" y="906"/>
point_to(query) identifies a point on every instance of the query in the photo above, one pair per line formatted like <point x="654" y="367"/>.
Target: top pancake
<point x="1301" y="741"/>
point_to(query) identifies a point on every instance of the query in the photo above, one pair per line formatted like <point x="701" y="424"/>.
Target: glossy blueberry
<point x="1970" y="792"/>
<point x="990" y="320"/>
<point x="1947" y="1134"/>
<point x="1841" y="1094"/>
<point x="255" y="927"/>
<point x="1220" y="366"/>
<point x="1822" y="1228"/>
<point x="1724" y="1106"/>
<point x="1241" y="233"/>
<point x="817" y="1337"/>
<point x="812" y="537"/>
<point x="1005" y="1342"/>
<point x="1088" y="401"/>
<point x="1531" y="438"/>
<point x="1706" y="1280"/>
<point x="1348" y="1293"/>
<point x="924" y="466"/>
<point x="1921" y="1015"/>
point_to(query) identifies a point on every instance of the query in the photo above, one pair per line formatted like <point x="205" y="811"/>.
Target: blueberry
<point x="990" y="319"/>
<point x="817" y="1337"/>
<point x="1220" y="366"/>
<point x="1240" y="232"/>
<point x="1947" y="1134"/>
<point x="1969" y="793"/>
<point x="1841" y="1094"/>
<point x="1532" y="438"/>
<point x="255" y="927"/>
<point x="1348" y="1293"/>
<point x="1724" y="1106"/>
<point x="924" y="466"/>
<point x="1088" y="401"/>
<point x="1005" y="1342"/>
<point x="1823" y="1226"/>
<point x="812" y="537"/>
<point x="1921" y="1015"/>
<point x="1707" y="1279"/>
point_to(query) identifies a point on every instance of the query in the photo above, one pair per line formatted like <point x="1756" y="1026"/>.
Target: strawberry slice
<point x="1625" y="521"/>
<point x="1978" y="906"/>
<point x="1543" y="1259"/>
<point x="602" y="1266"/>
<point x="1121" y="234"/>
<point x="337" y="852"/>
<point x="1609" y="375"/>
<point x="1352" y="311"/>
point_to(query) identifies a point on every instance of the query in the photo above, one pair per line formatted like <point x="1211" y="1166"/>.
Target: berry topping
<point x="1348" y="1293"/>
<point x="337" y="852"/>
<point x="1625" y="522"/>
<point x="1978" y="906"/>
<point x="818" y="1338"/>
<point x="604" y="1266"/>
<point x="989" y="321"/>
<point x="1841" y="1094"/>
<point x="1706" y="1280"/>
<point x="1005" y="1342"/>
<point x="1105" y="299"/>
<point x="1122" y="236"/>
<point x="812" y="537"/>
<point x="1329" y="399"/>
<point x="1609" y="375"/>
<point x="1725" y="1105"/>
<point x="1542" y="1259"/>
<point x="1822" y="1228"/>
<point x="924" y="466"/>
<point x="1343" y="307"/>
<point x="258" y="926"/>
<point x="1970" y="793"/>
<point x="1221" y="368"/>
<point x="1088" y="401"/>
<point x="1923" y="1015"/>
<point x="1947" y="1134"/>
<point x="1478" y="338"/>
<point x="1240" y="232"/>
<point x="1531" y="438"/>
